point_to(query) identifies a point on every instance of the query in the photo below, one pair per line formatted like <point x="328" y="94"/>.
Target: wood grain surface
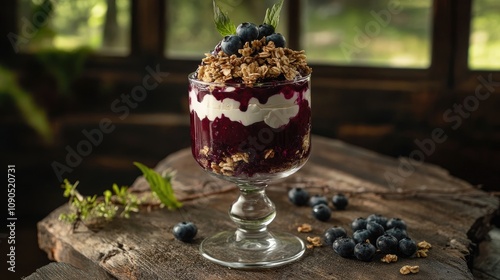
<point x="447" y="212"/>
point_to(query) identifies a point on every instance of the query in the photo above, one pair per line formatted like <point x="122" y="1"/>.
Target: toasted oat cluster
<point x="313" y="242"/>
<point x="304" y="228"/>
<point x="226" y="167"/>
<point x="227" y="164"/>
<point x="423" y="249"/>
<point x="424" y="245"/>
<point x="407" y="269"/>
<point x="389" y="258"/>
<point x="256" y="62"/>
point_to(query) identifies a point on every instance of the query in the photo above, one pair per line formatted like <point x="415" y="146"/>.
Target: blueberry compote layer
<point x="245" y="131"/>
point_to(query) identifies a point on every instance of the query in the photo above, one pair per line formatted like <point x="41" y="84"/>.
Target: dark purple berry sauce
<point x="265" y="150"/>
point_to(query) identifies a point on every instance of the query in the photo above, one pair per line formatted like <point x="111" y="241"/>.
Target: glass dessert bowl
<point x="251" y="134"/>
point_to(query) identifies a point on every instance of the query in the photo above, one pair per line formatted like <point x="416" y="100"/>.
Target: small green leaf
<point x="116" y="189"/>
<point x="161" y="186"/>
<point x="69" y="189"/>
<point x="107" y="196"/>
<point x="273" y="15"/>
<point x="223" y="22"/>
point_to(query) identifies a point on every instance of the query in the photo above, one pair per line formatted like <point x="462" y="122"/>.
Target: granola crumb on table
<point x="407" y="269"/>
<point x="423" y="248"/>
<point x="389" y="258"/>
<point x="424" y="245"/>
<point x="314" y="242"/>
<point x="422" y="253"/>
<point x="304" y="228"/>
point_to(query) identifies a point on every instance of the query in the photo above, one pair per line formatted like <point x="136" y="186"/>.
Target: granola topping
<point x="256" y="62"/>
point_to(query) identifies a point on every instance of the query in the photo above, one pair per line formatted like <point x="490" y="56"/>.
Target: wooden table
<point x="447" y="212"/>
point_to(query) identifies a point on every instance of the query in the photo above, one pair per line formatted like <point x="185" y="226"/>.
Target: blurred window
<point x="191" y="30"/>
<point x="101" y="25"/>
<point x="384" y="33"/>
<point x="484" y="36"/>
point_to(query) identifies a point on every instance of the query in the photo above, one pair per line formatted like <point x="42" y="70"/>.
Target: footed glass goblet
<point x="251" y="135"/>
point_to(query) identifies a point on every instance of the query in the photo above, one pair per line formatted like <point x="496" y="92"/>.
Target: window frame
<point x="464" y="77"/>
<point x="448" y="68"/>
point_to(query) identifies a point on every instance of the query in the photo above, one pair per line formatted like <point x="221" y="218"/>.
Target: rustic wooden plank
<point x="64" y="271"/>
<point x="443" y="210"/>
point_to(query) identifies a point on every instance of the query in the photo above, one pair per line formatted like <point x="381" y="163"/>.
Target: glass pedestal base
<point x="276" y="249"/>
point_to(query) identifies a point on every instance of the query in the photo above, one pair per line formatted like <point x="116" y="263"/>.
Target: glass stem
<point x="252" y="212"/>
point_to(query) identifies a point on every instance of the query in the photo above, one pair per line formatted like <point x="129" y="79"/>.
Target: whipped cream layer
<point x="276" y="112"/>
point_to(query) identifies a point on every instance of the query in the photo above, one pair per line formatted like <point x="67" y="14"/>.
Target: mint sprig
<point x="160" y="185"/>
<point x="273" y="15"/>
<point x="223" y="22"/>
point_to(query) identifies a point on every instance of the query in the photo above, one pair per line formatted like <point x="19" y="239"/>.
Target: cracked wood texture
<point x="447" y="212"/>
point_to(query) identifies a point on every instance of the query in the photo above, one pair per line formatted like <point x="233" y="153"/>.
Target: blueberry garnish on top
<point x="247" y="31"/>
<point x="265" y="30"/>
<point x="278" y="40"/>
<point x="231" y="44"/>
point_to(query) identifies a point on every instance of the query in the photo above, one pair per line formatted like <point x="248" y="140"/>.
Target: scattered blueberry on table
<point x="340" y="201"/>
<point x="298" y="196"/>
<point x="322" y="212"/>
<point x="185" y="231"/>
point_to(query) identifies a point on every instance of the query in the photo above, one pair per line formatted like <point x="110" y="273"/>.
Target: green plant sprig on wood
<point x="91" y="210"/>
<point x="85" y="208"/>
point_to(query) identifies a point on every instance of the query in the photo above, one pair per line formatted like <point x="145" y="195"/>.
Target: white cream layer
<point x="277" y="111"/>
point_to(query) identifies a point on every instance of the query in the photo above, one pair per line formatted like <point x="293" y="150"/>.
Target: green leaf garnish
<point x="160" y="185"/>
<point x="223" y="22"/>
<point x="273" y="15"/>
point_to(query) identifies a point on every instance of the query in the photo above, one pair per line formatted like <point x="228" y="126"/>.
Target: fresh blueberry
<point x="377" y="218"/>
<point x="317" y="199"/>
<point x="340" y="201"/>
<point x="396" y="222"/>
<point x="407" y="247"/>
<point x="387" y="244"/>
<point x="265" y="30"/>
<point x="278" y="39"/>
<point x="361" y="235"/>
<point x="364" y="251"/>
<point x="333" y="233"/>
<point x="298" y="196"/>
<point x="397" y="232"/>
<point x="322" y="212"/>
<point x="344" y="247"/>
<point x="247" y="31"/>
<point x="375" y="229"/>
<point x="185" y="231"/>
<point x="358" y="223"/>
<point x="231" y="44"/>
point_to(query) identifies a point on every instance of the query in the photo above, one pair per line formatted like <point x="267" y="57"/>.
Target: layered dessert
<point x="250" y="106"/>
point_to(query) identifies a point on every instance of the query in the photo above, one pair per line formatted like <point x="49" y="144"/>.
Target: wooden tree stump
<point x="447" y="212"/>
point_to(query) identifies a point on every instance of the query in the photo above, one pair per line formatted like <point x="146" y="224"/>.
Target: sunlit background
<point x="104" y="26"/>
